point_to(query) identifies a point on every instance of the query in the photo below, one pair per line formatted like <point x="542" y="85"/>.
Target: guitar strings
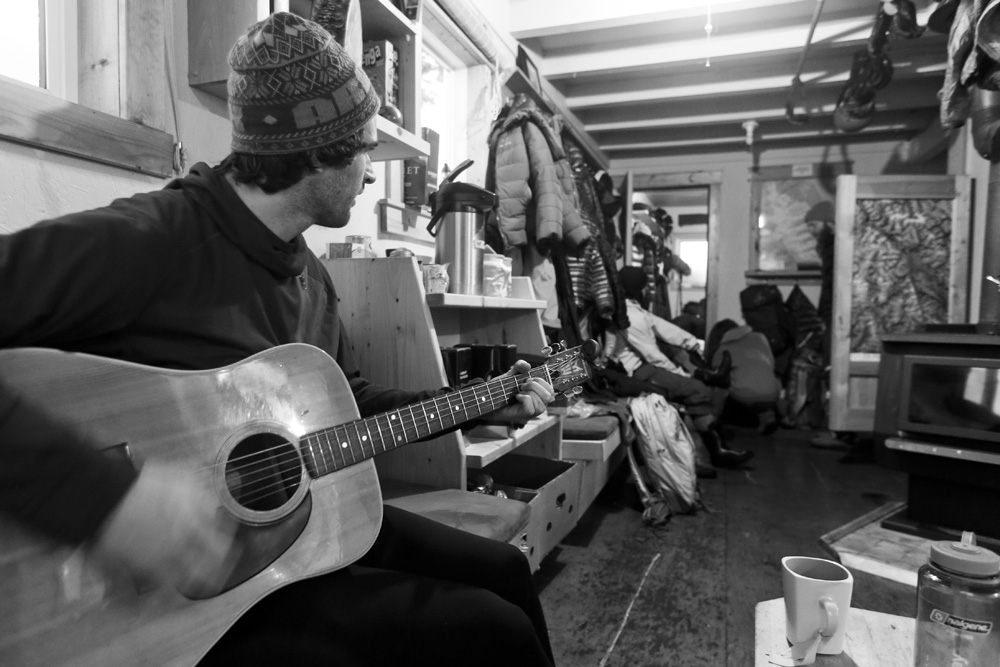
<point x="448" y="398"/>
<point x="294" y="454"/>
<point x="280" y="485"/>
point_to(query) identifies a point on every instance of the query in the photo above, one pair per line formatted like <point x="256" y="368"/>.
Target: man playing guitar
<point x="204" y="274"/>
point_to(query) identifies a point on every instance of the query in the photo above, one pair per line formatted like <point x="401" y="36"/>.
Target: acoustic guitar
<point x="279" y="440"/>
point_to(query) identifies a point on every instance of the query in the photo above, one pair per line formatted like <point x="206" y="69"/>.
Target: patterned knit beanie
<point x="294" y="88"/>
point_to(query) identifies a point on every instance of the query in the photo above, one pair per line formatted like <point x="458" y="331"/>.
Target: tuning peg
<point x="590" y="350"/>
<point x="554" y="348"/>
<point x="573" y="391"/>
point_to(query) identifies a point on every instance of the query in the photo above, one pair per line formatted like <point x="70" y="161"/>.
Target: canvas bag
<point x="668" y="449"/>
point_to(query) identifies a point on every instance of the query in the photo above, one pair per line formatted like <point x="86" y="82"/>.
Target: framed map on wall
<point x="785" y="203"/>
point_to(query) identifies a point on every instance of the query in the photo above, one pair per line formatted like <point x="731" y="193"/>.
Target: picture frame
<point x="887" y="226"/>
<point x="529" y="69"/>
<point x="403" y="223"/>
<point x="782" y="242"/>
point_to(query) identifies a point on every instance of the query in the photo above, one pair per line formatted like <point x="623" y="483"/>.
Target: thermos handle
<point x="435" y="219"/>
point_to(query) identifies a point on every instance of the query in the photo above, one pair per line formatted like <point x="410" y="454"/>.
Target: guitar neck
<point x="333" y="449"/>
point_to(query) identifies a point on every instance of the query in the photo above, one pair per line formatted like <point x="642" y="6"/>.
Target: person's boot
<point x="704" y="472"/>
<point x="720" y="456"/>
<point x="719" y="376"/>
<point x="698" y="361"/>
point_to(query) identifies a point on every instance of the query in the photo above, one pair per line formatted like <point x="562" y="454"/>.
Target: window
<point x="438" y="109"/>
<point x="42" y="74"/>
<point x="694" y="253"/>
<point x="20" y="50"/>
<point x="460" y="94"/>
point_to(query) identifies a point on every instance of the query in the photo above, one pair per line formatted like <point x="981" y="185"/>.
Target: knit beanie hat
<point x="293" y="88"/>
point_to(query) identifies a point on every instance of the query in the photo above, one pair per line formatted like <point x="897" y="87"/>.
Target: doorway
<point x="682" y="214"/>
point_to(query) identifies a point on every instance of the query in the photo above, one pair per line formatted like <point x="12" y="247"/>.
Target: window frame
<point x="472" y="73"/>
<point x="38" y="118"/>
<point x="450" y="137"/>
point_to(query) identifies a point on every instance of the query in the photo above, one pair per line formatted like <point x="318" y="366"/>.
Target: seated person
<point x="692" y="318"/>
<point x="202" y="274"/>
<point x="638" y="353"/>
<point x="753" y="386"/>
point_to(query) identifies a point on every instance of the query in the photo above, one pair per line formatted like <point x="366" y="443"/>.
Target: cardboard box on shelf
<point x="380" y="61"/>
<point x="415" y="181"/>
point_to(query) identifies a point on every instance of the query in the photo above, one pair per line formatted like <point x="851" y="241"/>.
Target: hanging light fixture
<point x="708" y="34"/>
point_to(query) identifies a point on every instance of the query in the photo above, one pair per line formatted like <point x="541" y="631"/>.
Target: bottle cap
<point x="965" y="557"/>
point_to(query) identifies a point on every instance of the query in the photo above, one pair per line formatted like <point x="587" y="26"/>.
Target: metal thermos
<point x="458" y="220"/>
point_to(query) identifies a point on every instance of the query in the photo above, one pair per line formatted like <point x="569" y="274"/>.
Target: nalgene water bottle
<point x="958" y="606"/>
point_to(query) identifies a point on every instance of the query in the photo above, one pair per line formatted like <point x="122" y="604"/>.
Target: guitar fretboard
<point x="333" y="449"/>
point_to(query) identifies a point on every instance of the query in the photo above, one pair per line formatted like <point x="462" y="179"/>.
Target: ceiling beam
<point x="748" y="105"/>
<point x="841" y="141"/>
<point x="653" y="55"/>
<point x="904" y="120"/>
<point x="772" y="72"/>
<point x="573" y="16"/>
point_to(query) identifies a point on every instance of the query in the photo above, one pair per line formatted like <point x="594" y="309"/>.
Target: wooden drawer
<point x="591" y="450"/>
<point x="595" y="474"/>
<point x="551" y="489"/>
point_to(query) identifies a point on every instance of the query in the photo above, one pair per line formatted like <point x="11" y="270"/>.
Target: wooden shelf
<point x="213" y="28"/>
<point x="381" y="20"/>
<point x="550" y="101"/>
<point x="472" y="301"/>
<point x="396" y="143"/>
<point x="480" y="452"/>
<point x="790" y="275"/>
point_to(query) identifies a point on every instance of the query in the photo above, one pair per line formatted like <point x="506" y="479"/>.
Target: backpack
<point x="765" y="311"/>
<point x="668" y="449"/>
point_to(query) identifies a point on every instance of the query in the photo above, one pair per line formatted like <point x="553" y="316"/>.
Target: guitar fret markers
<point x="339" y="447"/>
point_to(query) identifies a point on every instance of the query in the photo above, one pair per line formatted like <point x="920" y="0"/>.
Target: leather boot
<point x="698" y="361"/>
<point x="718" y="377"/>
<point x="720" y="456"/>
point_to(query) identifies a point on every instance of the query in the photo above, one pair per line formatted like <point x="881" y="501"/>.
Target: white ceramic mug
<point x="817" y="602"/>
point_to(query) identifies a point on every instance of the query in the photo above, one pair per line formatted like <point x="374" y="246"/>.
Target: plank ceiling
<point x="646" y="79"/>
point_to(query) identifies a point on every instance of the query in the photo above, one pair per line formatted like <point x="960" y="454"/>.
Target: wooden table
<point x="873" y="639"/>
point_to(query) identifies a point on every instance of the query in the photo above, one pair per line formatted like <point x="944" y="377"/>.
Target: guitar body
<point x="59" y="608"/>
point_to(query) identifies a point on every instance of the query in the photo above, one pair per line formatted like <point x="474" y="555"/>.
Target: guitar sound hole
<point x="263" y="472"/>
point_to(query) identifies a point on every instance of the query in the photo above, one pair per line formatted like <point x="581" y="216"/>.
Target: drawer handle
<point x="560" y="500"/>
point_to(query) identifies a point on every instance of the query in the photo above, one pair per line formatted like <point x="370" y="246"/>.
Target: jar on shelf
<point x="361" y="246"/>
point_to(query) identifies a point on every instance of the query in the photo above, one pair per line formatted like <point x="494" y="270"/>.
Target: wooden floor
<point x="618" y="593"/>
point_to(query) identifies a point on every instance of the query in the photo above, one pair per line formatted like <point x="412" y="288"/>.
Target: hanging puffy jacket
<point x="533" y="181"/>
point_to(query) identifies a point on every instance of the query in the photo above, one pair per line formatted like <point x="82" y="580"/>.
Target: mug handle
<point x="829" y="628"/>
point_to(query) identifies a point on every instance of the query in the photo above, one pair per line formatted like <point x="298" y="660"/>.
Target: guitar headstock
<point x="569" y="368"/>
